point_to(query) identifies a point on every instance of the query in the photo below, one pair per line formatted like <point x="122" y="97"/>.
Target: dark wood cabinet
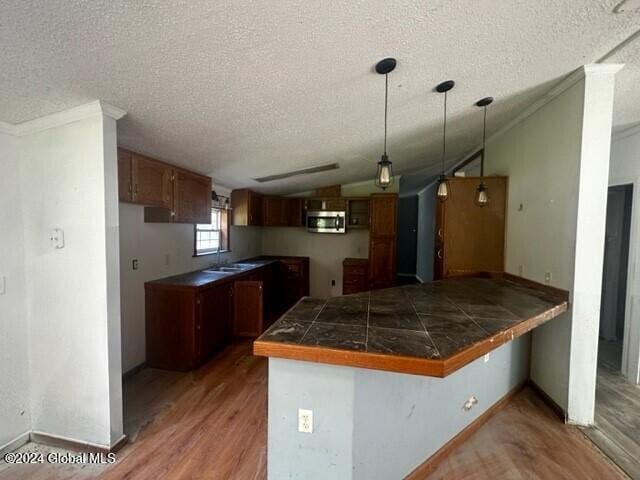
<point x="274" y="212"/>
<point x="191" y="197"/>
<point x="382" y="240"/>
<point x="151" y="181"/>
<point x="470" y="239"/>
<point x="170" y="194"/>
<point x="125" y="176"/>
<point x="185" y="326"/>
<point x="247" y="207"/>
<point x="248" y="308"/>
<point x="294" y="212"/>
<point x="355" y="275"/>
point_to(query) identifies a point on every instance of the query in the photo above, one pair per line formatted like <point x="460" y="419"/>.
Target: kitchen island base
<point x="371" y="424"/>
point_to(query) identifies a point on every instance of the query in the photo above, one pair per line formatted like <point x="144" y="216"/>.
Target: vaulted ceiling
<point x="244" y="89"/>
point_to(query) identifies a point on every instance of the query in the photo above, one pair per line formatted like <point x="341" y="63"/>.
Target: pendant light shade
<point x="443" y="184"/>
<point x="384" y="175"/>
<point x="481" y="198"/>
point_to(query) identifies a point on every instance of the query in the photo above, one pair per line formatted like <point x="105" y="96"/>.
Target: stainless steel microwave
<point x="326" y="222"/>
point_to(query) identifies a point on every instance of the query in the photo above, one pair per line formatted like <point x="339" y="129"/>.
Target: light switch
<point x="3" y="289"/>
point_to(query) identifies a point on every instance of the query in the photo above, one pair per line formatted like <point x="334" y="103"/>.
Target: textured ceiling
<point x="245" y="89"/>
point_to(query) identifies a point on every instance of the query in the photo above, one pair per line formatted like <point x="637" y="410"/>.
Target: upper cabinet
<point x="274" y="212"/>
<point x="170" y="194"/>
<point x="384" y="213"/>
<point x="192" y="197"/>
<point x="382" y="240"/>
<point x="247" y="207"/>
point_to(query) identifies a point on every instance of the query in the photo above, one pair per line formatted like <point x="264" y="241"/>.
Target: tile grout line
<point x="423" y="325"/>
<point x="366" y="337"/>
<point x="314" y="320"/>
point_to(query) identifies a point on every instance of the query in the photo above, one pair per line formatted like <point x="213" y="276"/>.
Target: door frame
<point x="630" y="368"/>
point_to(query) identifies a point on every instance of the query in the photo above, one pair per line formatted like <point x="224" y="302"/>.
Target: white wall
<point x="14" y="395"/>
<point x="426" y="232"/>
<point x="161" y="250"/>
<point x="325" y="251"/>
<point x="554" y="158"/>
<point x="624" y="168"/>
<point x="68" y="178"/>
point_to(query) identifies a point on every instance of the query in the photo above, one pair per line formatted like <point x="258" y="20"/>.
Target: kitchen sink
<point x="243" y="266"/>
<point x="223" y="270"/>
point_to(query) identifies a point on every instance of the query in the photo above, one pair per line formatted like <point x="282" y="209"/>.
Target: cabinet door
<point x="294" y="212"/>
<point x="274" y="211"/>
<point x="151" y="182"/>
<point x="382" y="262"/>
<point x="247" y="308"/>
<point x="191" y="197"/>
<point x="255" y="209"/>
<point x="384" y="208"/>
<point x="125" y="187"/>
<point x="213" y="325"/>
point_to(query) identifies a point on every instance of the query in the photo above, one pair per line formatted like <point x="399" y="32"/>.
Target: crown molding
<point x="64" y="117"/>
<point x="627" y="132"/>
<point x="562" y="86"/>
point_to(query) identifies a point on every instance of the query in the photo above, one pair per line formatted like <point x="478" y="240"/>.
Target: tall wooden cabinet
<point x="470" y="239"/>
<point x="382" y="240"/>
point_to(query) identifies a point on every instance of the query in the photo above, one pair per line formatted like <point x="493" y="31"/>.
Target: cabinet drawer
<point x="356" y="271"/>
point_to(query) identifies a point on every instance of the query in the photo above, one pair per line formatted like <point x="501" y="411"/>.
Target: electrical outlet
<point x="134" y="264"/>
<point x="520" y="270"/>
<point x="305" y="421"/>
<point x="333" y="283"/>
<point x="547" y="277"/>
<point x="3" y="288"/>
<point x="167" y="259"/>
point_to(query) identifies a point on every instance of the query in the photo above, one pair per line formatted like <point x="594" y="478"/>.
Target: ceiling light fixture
<point x="384" y="175"/>
<point x="481" y="198"/>
<point x="443" y="183"/>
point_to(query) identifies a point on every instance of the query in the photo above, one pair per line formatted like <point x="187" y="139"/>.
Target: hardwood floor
<point x="211" y="424"/>
<point x="526" y="441"/>
<point x="617" y="419"/>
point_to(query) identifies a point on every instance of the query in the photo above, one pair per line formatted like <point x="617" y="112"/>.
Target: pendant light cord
<point x="444" y="133"/>
<point x="386" y="93"/>
<point x="484" y="141"/>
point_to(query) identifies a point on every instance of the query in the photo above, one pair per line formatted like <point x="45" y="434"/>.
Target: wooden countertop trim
<point x="404" y="364"/>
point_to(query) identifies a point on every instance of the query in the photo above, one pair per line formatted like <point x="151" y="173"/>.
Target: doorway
<point x="617" y="410"/>
<point x="407" y="238"/>
<point x="614" y="276"/>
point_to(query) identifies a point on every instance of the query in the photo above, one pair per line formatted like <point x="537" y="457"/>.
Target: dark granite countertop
<point x="444" y="324"/>
<point x="201" y="278"/>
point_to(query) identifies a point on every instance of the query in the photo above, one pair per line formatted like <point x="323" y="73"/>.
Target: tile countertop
<point x="429" y="329"/>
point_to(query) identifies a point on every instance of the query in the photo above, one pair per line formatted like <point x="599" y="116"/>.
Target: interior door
<point x="247" y="308"/>
<point x="407" y="234"/>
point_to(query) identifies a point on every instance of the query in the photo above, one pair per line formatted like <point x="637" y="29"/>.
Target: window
<point x="210" y="237"/>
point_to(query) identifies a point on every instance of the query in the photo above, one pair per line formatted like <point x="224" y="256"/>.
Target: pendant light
<point x="481" y="198"/>
<point x="443" y="183"/>
<point x="384" y="175"/>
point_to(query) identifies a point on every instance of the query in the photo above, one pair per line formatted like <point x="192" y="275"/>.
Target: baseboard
<point x="429" y="465"/>
<point x="550" y="402"/>
<point x="14" y="444"/>
<point x="131" y="372"/>
<point x="75" y="445"/>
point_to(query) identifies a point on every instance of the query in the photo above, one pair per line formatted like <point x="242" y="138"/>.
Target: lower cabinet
<point x="186" y="326"/>
<point x="355" y="275"/>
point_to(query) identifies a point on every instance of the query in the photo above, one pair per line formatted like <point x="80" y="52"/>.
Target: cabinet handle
<point x="135" y="189"/>
<point x="440" y="232"/>
<point x="439" y="254"/>
<point x="130" y="188"/>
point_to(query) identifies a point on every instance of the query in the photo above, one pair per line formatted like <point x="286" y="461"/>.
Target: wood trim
<point x="132" y="371"/>
<point x="430" y="464"/>
<point x="75" y="445"/>
<point x="400" y="363"/>
<point x="551" y="403"/>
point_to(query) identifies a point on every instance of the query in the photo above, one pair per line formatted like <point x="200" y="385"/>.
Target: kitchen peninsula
<point x="393" y="375"/>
